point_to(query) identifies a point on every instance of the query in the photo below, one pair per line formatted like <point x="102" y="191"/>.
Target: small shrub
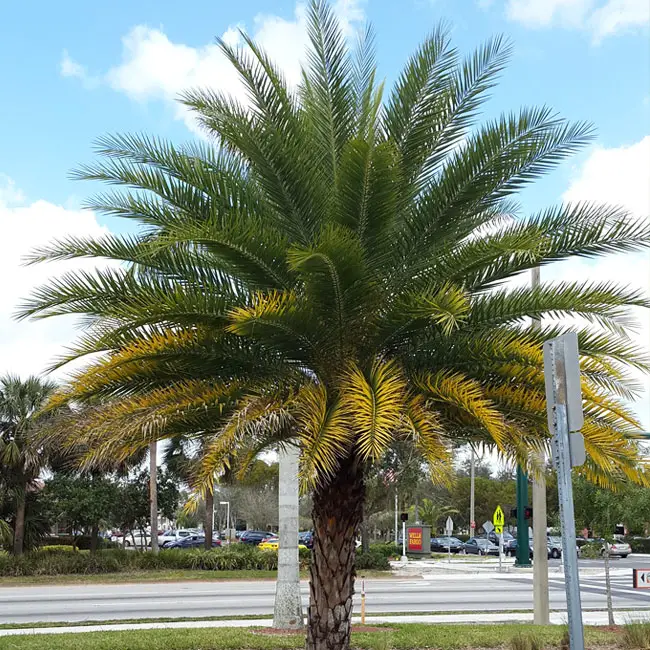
<point x="636" y="636"/>
<point x="372" y="560"/>
<point x="387" y="549"/>
<point x="591" y="551"/>
<point x="639" y="545"/>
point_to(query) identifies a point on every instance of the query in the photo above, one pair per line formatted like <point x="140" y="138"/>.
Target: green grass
<point x="400" y="637"/>
<point x="153" y="575"/>
<point x="162" y="575"/>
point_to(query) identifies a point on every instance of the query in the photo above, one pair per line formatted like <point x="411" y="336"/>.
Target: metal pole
<point x="523" y="545"/>
<point x="540" y="542"/>
<point x="404" y="558"/>
<point x="363" y="602"/>
<point x="396" y="524"/>
<point x="472" y="520"/>
<point x="567" y="518"/>
<point x="500" y="551"/>
<point x="228" y="522"/>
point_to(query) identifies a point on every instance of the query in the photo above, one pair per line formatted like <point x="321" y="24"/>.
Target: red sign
<point x="414" y="539"/>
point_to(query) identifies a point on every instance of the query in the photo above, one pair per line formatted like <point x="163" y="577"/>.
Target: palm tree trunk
<point x="336" y="515"/>
<point x="153" y="496"/>
<point x="208" y="520"/>
<point x="19" y="524"/>
<point x="365" y="534"/>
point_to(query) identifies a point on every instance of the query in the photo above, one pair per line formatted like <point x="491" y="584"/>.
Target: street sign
<point x="449" y="526"/>
<point x="488" y="527"/>
<point x="498" y="530"/>
<point x="498" y="519"/>
<point x="562" y="379"/>
<point x="641" y="578"/>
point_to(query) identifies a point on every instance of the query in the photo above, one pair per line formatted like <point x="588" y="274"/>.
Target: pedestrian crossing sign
<point x="498" y="519"/>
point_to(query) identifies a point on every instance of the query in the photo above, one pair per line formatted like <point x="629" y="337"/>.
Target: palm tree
<point x="433" y="513"/>
<point x="333" y="269"/>
<point x="22" y="461"/>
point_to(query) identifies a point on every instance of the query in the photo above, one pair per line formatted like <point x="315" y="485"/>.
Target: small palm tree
<point x="433" y="513"/>
<point x="22" y="461"/>
<point x="333" y="269"/>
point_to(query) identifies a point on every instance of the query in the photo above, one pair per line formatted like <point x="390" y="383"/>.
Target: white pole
<point x="540" y="550"/>
<point x="472" y="521"/>
<point x="287" y="613"/>
<point x="404" y="558"/>
<point x="396" y="524"/>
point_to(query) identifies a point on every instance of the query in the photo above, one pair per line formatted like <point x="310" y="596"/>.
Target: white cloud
<point x="619" y="176"/>
<point x="28" y="347"/>
<point x="155" y="68"/>
<point x="618" y="15"/>
<point x="68" y="67"/>
<point x="601" y="18"/>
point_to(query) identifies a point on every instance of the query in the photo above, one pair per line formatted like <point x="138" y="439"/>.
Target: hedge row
<point x="61" y="561"/>
<point x="639" y="545"/>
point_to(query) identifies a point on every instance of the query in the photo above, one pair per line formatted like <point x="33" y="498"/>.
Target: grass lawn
<point x="398" y="637"/>
<point x="163" y="575"/>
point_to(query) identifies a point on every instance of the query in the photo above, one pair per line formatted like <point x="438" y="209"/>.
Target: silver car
<point x="617" y="549"/>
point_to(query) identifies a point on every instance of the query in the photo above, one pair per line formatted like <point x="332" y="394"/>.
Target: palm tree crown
<point x="333" y="268"/>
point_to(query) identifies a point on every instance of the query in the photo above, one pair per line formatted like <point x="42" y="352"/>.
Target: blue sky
<point x="48" y="126"/>
<point x="77" y="70"/>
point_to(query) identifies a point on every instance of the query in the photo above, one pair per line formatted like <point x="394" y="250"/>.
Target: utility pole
<point x="540" y="553"/>
<point x="472" y="520"/>
<point x="287" y="613"/>
<point x="153" y="495"/>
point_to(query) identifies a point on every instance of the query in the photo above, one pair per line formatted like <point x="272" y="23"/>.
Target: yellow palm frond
<point x="374" y="406"/>
<point x="428" y="435"/>
<point x="265" y="308"/>
<point x="324" y="432"/>
<point x="466" y="396"/>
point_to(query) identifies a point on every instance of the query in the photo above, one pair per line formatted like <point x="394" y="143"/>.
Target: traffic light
<point x="528" y="512"/>
<point x="513" y="513"/>
<point x="404" y="516"/>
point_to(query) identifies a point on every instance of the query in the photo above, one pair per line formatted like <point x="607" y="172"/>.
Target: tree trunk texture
<point x="94" y="538"/>
<point x="336" y="516"/>
<point x="208" y="520"/>
<point x="19" y="524"/>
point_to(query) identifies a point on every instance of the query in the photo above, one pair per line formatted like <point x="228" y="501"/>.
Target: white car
<point x="170" y="536"/>
<point x="137" y="538"/>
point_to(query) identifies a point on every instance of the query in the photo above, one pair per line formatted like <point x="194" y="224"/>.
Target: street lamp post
<point x="227" y="503"/>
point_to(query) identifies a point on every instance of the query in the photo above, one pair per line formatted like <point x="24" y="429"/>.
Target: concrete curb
<point x="557" y="618"/>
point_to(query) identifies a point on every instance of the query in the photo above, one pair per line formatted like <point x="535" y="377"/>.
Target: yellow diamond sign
<point x="498" y="518"/>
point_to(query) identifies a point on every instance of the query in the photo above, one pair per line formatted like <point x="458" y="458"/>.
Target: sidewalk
<point x="478" y="618"/>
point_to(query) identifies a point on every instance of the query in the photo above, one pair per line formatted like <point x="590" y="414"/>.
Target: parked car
<point x="137" y="539"/>
<point x="306" y="538"/>
<point x="255" y="537"/>
<point x="446" y="544"/>
<point x="507" y="538"/>
<point x="617" y="549"/>
<point x="480" y="546"/>
<point x="192" y="541"/>
<point x="273" y="543"/>
<point x="170" y="536"/>
<point x="554" y="547"/>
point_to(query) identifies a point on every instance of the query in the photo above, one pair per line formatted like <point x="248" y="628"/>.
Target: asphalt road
<point x="441" y="593"/>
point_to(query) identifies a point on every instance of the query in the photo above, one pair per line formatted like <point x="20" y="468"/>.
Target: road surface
<point x="441" y="593"/>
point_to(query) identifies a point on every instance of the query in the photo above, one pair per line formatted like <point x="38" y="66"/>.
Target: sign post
<point x="498" y="519"/>
<point x="565" y="419"/>
<point x="449" y="529"/>
<point x="404" y="517"/>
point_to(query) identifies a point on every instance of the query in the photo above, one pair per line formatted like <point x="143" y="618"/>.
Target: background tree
<point x="333" y="271"/>
<point x="20" y="459"/>
<point x="84" y="502"/>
